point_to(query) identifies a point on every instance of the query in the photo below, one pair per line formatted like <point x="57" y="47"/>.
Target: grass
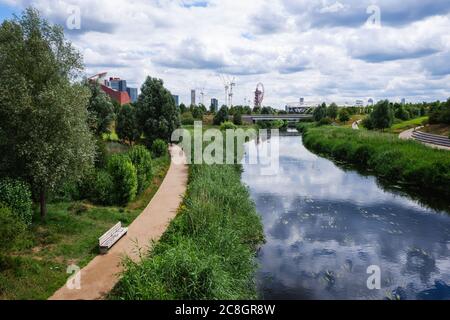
<point x="209" y="248"/>
<point x="37" y="268"/>
<point x="439" y="129"/>
<point x="405" y="125"/>
<point x="390" y="158"/>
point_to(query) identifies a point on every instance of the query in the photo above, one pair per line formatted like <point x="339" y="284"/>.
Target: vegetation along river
<point x="325" y="226"/>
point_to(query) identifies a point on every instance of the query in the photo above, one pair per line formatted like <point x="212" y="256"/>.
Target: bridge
<point x="292" y="118"/>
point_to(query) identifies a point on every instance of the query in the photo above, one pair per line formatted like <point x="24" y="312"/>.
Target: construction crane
<point x="232" y="84"/>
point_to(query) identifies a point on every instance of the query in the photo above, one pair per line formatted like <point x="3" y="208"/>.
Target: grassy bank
<point x="387" y="156"/>
<point x="405" y="125"/>
<point x="37" y="267"/>
<point x="209" y="248"/>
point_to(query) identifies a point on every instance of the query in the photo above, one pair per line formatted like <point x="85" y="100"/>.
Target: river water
<point x="325" y="226"/>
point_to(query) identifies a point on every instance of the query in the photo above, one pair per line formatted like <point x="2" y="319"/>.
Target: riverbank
<point x="208" y="251"/>
<point x="385" y="155"/>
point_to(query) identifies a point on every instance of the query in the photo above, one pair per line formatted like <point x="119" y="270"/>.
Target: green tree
<point x="237" y="118"/>
<point x="344" y="116"/>
<point x="45" y="138"/>
<point x="382" y="116"/>
<point x="183" y="108"/>
<point x="332" y="111"/>
<point x="127" y="127"/>
<point x="157" y="113"/>
<point x="101" y="110"/>
<point x="221" y="116"/>
<point x="320" y="112"/>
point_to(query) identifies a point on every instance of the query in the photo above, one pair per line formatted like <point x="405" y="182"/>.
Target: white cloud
<point x="320" y="50"/>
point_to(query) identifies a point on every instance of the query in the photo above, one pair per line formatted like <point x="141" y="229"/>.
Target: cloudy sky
<point x="321" y="50"/>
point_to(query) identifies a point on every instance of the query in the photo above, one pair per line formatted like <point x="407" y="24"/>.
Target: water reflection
<point x="325" y="226"/>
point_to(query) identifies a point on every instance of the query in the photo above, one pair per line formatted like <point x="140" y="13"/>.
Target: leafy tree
<point x="142" y="161"/>
<point x="101" y="110"/>
<point x="124" y="177"/>
<point x="382" y="116"/>
<point x="320" y="112"/>
<point x="221" y="116"/>
<point x="402" y="113"/>
<point x="157" y="113"/>
<point x="183" y="108"/>
<point x="45" y="138"/>
<point x="344" y="116"/>
<point x="237" y="118"/>
<point x="127" y="127"/>
<point x="159" y="148"/>
<point x="332" y="111"/>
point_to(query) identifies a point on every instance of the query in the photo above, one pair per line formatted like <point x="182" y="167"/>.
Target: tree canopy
<point x="45" y="138"/>
<point x="157" y="113"/>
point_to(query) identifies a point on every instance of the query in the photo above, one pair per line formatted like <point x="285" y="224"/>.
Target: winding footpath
<point x="100" y="276"/>
<point x="409" y="135"/>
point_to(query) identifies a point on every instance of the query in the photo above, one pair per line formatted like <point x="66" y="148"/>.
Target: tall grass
<point x="209" y="248"/>
<point x="386" y="155"/>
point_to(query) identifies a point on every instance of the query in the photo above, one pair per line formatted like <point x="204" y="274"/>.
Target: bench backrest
<point x="108" y="234"/>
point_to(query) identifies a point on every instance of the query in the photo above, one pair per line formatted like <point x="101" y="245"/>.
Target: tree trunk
<point x="43" y="204"/>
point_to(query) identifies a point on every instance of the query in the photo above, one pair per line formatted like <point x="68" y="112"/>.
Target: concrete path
<point x="408" y="134"/>
<point x="101" y="275"/>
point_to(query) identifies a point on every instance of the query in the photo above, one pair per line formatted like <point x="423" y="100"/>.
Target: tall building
<point x="302" y="101"/>
<point x="176" y="99"/>
<point x="215" y="104"/>
<point x="403" y="101"/>
<point x="192" y="97"/>
<point x="133" y="93"/>
<point x="370" y="102"/>
<point x="115" y="88"/>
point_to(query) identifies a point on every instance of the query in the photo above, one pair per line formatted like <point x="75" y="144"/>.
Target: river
<point x="325" y="226"/>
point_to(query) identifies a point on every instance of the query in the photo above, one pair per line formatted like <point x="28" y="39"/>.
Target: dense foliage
<point x="11" y="228"/>
<point x="208" y="250"/>
<point x="101" y="110"/>
<point x="124" y="177"/>
<point x="142" y="161"/>
<point x="157" y="114"/>
<point x="159" y="148"/>
<point x="127" y="126"/>
<point x="45" y="138"/>
<point x="17" y="196"/>
<point x="221" y="116"/>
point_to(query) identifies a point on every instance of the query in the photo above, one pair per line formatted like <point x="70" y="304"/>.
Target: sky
<point x="323" y="50"/>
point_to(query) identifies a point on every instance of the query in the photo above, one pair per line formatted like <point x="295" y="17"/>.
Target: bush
<point x="142" y="161"/>
<point x="11" y="228"/>
<point x="187" y="119"/>
<point x="124" y="179"/>
<point x="102" y="188"/>
<point x="237" y="118"/>
<point x="227" y="125"/>
<point x="344" y="115"/>
<point x="16" y="195"/>
<point x="325" y="122"/>
<point x="221" y="116"/>
<point x="159" y="148"/>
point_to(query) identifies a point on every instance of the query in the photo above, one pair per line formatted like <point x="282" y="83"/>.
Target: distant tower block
<point x="259" y="95"/>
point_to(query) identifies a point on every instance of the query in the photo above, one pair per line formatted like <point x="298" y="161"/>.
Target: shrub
<point x="142" y="161"/>
<point x="325" y="122"/>
<point x="221" y="116"/>
<point x="103" y="188"/>
<point x="16" y="195"/>
<point x="227" y="125"/>
<point x="124" y="178"/>
<point x="187" y="119"/>
<point x="11" y="228"/>
<point x="159" y="148"/>
<point x="237" y="118"/>
<point x="344" y="116"/>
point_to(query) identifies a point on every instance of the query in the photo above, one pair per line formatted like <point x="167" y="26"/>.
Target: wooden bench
<point x="110" y="238"/>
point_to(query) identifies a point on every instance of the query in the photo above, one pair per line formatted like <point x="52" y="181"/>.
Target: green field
<point x="405" y="125"/>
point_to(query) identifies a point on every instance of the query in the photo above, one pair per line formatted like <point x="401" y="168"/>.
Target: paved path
<point x="408" y="134"/>
<point x="101" y="275"/>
